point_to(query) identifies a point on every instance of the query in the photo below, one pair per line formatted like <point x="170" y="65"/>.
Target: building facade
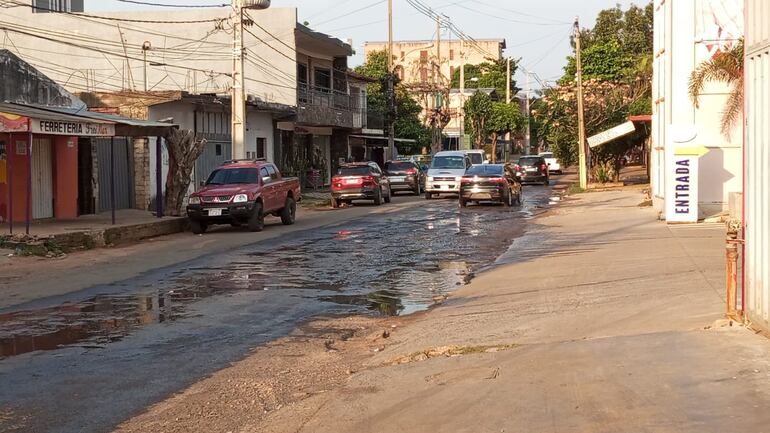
<point x="756" y="215"/>
<point x="686" y="34"/>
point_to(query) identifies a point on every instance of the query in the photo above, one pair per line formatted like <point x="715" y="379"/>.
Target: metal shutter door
<point x="42" y="178"/>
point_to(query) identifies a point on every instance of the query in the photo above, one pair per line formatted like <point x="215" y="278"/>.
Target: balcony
<point x="320" y="106"/>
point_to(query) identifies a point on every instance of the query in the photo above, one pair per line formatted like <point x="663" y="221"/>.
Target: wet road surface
<point x="84" y="362"/>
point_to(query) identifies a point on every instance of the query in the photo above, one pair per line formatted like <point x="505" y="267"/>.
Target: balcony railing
<point x="323" y="97"/>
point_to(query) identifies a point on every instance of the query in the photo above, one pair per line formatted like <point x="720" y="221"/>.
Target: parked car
<point x="405" y="176"/>
<point x="489" y="182"/>
<point x="445" y="172"/>
<point x="477" y="156"/>
<point x="533" y="169"/>
<point x="360" y="181"/>
<point x="553" y="163"/>
<point x="244" y="192"/>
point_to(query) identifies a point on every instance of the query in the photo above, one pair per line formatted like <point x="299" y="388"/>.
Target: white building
<point x="757" y="164"/>
<point x="688" y="32"/>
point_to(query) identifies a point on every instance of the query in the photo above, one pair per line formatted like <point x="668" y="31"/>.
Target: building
<point x="58" y="160"/>
<point x="287" y="65"/>
<point x="418" y="62"/>
<point x="686" y="34"/>
<point x="756" y="215"/>
<point x="47" y="6"/>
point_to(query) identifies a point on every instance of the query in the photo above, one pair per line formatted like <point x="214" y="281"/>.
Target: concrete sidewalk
<point x="601" y="321"/>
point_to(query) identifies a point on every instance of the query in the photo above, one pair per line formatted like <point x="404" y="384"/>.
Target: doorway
<point x="42" y="178"/>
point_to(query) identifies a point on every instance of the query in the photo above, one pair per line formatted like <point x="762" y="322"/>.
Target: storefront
<point x="42" y="172"/>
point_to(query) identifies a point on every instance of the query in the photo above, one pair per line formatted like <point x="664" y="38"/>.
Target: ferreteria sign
<point x="83" y="129"/>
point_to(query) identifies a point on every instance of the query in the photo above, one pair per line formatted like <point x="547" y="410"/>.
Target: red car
<point x="244" y="192"/>
<point x="360" y="181"/>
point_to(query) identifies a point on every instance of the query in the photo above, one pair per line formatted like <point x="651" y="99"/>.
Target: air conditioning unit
<point x="255" y="4"/>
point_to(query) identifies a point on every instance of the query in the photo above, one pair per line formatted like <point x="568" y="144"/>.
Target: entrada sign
<point x="83" y="129"/>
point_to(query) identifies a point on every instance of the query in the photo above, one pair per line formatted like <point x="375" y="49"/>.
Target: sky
<point x="536" y="31"/>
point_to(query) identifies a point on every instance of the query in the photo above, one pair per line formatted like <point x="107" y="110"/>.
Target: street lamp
<point x="238" y="115"/>
<point x="146" y="46"/>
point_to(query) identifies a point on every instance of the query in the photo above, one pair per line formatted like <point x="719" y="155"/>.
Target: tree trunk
<point x="494" y="148"/>
<point x="183" y="150"/>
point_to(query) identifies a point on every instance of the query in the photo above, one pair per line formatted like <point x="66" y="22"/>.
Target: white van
<point x="477" y="156"/>
<point x="445" y="172"/>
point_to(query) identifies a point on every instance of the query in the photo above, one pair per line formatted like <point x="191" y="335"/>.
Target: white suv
<point x="445" y="172"/>
<point x="553" y="163"/>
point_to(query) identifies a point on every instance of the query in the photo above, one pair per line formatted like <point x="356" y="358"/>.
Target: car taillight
<point x="466" y="179"/>
<point x="367" y="180"/>
<point x="411" y="171"/>
<point x="496" y="180"/>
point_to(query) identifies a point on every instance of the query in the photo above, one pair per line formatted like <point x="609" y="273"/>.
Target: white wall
<point x="687" y="33"/>
<point x="98" y="62"/>
<point x="260" y="125"/>
<point x="757" y="163"/>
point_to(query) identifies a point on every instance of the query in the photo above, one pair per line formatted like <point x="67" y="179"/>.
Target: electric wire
<point x="127" y="20"/>
<point x="137" y="2"/>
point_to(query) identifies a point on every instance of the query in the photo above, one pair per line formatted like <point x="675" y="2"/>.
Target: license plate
<point x="531" y="170"/>
<point x="445" y="186"/>
<point x="215" y="212"/>
<point x="351" y="181"/>
<point x="398" y="178"/>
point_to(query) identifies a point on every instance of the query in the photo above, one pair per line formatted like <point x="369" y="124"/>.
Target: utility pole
<point x="146" y="46"/>
<point x="462" y="95"/>
<point x="508" y="82"/>
<point x="527" y="140"/>
<point x="238" y="115"/>
<point x="391" y="87"/>
<point x="581" y="113"/>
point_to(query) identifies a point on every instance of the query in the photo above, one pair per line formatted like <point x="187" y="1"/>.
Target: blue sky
<point x="536" y="31"/>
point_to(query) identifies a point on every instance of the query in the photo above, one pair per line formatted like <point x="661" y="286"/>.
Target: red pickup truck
<point x="243" y="192"/>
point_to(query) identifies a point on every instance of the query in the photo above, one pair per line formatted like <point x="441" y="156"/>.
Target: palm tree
<point x="725" y="66"/>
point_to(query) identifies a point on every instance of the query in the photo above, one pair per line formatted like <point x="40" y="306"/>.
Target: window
<point x="261" y="148"/>
<point x="449" y="162"/>
<point x="423" y="56"/>
<point x="273" y="172"/>
<point x="355" y="170"/>
<point x="301" y="73"/>
<point x="263" y="173"/>
<point x="451" y="54"/>
<point x="323" y="78"/>
<point x="423" y="75"/>
<point x="45" y="6"/>
<point x="218" y="149"/>
<point x="451" y="72"/>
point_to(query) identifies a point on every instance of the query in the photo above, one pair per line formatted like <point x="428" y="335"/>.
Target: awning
<point x="380" y="138"/>
<point x="74" y="122"/>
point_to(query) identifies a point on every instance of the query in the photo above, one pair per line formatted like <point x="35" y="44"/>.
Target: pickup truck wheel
<point x="417" y="191"/>
<point x="289" y="212"/>
<point x="257" y="219"/>
<point x="198" y="227"/>
<point x="378" y="197"/>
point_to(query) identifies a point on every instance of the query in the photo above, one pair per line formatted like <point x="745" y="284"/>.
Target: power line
<point x="172" y="6"/>
<point x="127" y="20"/>
<point x="498" y="7"/>
<point x="369" y="6"/>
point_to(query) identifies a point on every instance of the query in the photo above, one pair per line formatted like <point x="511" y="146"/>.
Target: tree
<point x="503" y="118"/>
<point x="725" y="66"/>
<point x="491" y="75"/>
<point x="407" y="122"/>
<point x="478" y="108"/>
<point x="184" y="148"/>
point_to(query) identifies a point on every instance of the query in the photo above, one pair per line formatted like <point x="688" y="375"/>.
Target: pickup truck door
<point x="268" y="201"/>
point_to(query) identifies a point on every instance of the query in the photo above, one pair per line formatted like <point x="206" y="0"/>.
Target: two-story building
<point x="301" y="104"/>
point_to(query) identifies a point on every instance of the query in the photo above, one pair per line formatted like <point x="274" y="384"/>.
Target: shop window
<point x="323" y="78"/>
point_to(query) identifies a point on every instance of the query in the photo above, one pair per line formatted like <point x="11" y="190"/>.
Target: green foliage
<point x="407" y="124"/>
<point x="491" y="75"/>
<point x="478" y="108"/>
<point x="504" y="118"/>
<point x="602" y="61"/>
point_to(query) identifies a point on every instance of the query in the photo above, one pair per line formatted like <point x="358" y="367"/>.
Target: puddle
<point x="392" y="264"/>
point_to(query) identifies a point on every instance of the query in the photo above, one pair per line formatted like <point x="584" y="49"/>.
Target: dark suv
<point x="405" y="176"/>
<point x="360" y="181"/>
<point x="533" y="169"/>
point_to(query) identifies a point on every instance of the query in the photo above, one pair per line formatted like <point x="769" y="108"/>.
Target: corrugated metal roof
<point x="49" y="113"/>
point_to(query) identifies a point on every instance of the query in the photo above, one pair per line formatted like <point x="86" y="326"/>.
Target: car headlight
<point x="194" y="200"/>
<point x="430" y="178"/>
<point x="458" y="179"/>
<point x="240" y="198"/>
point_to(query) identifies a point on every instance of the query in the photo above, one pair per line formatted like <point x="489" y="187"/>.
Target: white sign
<point x="83" y="129"/>
<point x="682" y="194"/>
<point x="611" y="134"/>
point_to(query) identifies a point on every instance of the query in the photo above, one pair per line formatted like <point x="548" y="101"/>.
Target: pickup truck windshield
<point x="448" y="162"/>
<point x="229" y="176"/>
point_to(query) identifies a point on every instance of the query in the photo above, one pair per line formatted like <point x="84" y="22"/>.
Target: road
<point x="85" y="361"/>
